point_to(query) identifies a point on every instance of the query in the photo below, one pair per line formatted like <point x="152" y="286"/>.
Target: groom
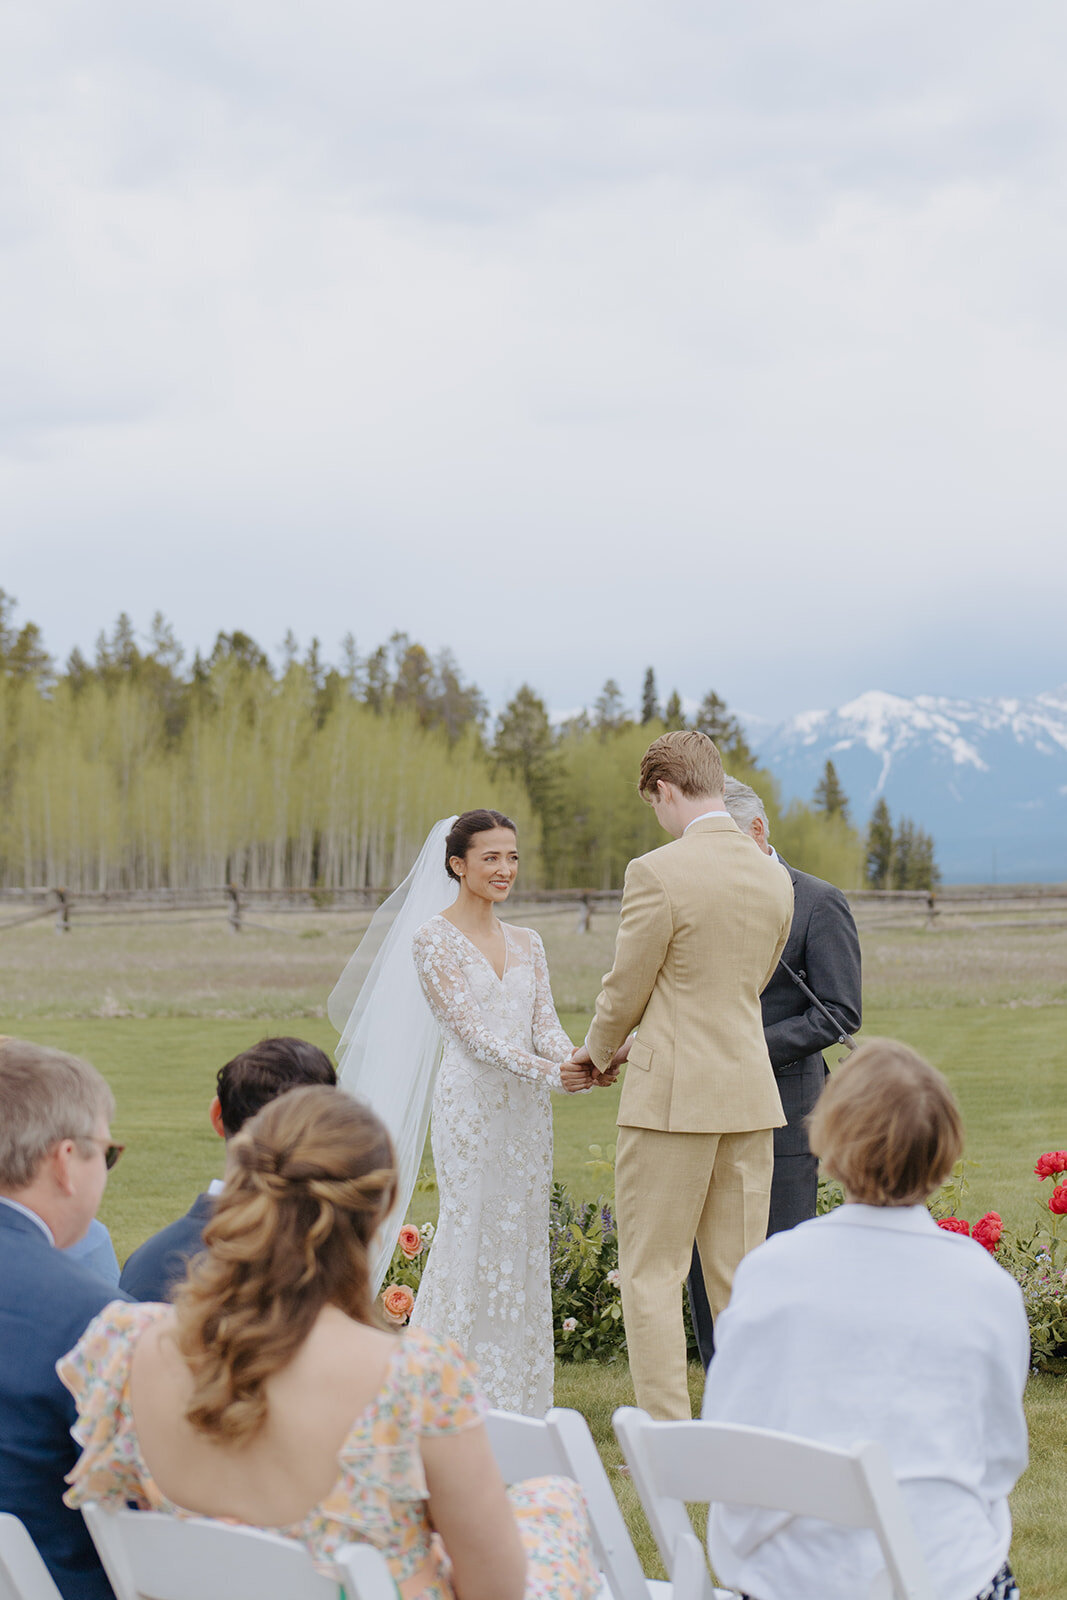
<point x="704" y="921"/>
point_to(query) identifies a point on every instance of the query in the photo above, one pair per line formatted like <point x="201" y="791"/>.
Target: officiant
<point x="823" y="951"/>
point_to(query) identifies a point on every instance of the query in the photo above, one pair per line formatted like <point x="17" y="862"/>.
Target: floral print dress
<point x="486" y="1283"/>
<point x="380" y="1496"/>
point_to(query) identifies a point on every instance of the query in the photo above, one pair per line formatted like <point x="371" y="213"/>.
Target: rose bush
<point x="1032" y="1258"/>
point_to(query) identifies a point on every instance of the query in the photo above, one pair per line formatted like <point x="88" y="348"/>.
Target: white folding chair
<point x="562" y="1444"/>
<point x="150" y="1555"/>
<point x="23" y="1574"/>
<point x="673" y="1462"/>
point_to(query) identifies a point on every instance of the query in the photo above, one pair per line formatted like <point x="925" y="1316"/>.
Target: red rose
<point x="1051" y="1165"/>
<point x="954" y="1225"/>
<point x="987" y="1230"/>
<point x="1057" y="1201"/>
<point x="410" y="1241"/>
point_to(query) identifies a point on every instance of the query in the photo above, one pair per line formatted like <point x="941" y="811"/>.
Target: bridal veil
<point x="390" y="1044"/>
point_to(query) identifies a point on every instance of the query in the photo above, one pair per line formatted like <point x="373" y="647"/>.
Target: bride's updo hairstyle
<point x="464" y="830"/>
<point x="887" y="1126"/>
<point x="310" y="1178"/>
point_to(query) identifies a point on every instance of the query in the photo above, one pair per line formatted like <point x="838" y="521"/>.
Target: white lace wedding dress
<point x="486" y="1282"/>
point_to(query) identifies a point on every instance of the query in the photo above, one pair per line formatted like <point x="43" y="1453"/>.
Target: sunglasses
<point x="111" y="1151"/>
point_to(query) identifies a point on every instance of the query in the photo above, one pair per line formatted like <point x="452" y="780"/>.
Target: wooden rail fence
<point x="1000" y="905"/>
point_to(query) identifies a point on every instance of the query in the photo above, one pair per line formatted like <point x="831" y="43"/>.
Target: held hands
<point x="579" y="1072"/>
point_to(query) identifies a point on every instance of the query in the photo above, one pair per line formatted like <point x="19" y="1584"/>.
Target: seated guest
<point x="268" y="1394"/>
<point x="55" y="1151"/>
<point x="96" y="1252"/>
<point x="874" y="1323"/>
<point x="245" y="1085"/>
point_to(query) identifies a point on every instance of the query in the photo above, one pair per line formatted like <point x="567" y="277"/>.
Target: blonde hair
<point x="887" y="1126"/>
<point x="47" y="1096"/>
<point x="686" y="758"/>
<point x="312" y="1176"/>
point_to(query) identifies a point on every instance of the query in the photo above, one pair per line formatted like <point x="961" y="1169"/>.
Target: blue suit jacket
<point x="158" y="1264"/>
<point x="46" y="1303"/>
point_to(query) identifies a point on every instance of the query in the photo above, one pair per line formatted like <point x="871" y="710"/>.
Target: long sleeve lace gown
<point x="486" y="1283"/>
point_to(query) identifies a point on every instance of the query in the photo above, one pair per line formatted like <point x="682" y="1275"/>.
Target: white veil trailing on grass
<point x="390" y="1044"/>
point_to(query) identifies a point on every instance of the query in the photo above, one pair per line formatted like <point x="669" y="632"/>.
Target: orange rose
<point x="398" y="1302"/>
<point x="410" y="1241"/>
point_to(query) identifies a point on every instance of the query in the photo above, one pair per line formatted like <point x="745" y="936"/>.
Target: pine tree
<point x="525" y="746"/>
<point x="649" y="702"/>
<point x="829" y="796"/>
<point x="879" y="862"/>
<point x="903" y="854"/>
<point x="714" y="719"/>
<point x="609" y="711"/>
<point x="925" y="871"/>
<point x="673" y="715"/>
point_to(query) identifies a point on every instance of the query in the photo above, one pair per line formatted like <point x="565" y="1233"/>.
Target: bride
<point x="486" y="1283"/>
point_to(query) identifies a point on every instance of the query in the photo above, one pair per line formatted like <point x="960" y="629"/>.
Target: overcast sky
<point x="725" y="337"/>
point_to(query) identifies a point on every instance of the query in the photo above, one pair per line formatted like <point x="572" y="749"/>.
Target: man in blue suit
<point x="244" y="1085"/>
<point x="55" y="1151"/>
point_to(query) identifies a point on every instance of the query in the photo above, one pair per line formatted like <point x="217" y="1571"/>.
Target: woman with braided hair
<point x="268" y="1394"/>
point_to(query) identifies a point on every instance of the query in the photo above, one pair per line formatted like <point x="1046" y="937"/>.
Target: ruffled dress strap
<point x="97" y="1373"/>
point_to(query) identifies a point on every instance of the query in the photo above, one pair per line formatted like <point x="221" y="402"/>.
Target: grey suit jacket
<point x="823" y="948"/>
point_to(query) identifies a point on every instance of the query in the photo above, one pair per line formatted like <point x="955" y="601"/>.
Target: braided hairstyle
<point x="311" y="1177"/>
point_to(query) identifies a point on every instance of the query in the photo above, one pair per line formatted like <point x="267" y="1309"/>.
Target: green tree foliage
<point x="673" y="715"/>
<point x="134" y="771"/>
<point x="127" y="774"/>
<point x="609" y="709"/>
<point x="525" y="747"/>
<point x="900" y="857"/>
<point x="649" y="703"/>
<point x="879" y="859"/>
<point x="714" y="719"/>
<point x="829" y="797"/>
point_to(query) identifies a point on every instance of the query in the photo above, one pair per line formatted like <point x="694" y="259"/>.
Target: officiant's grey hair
<point x="744" y="805"/>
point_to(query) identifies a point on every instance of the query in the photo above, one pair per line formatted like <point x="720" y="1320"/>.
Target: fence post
<point x="62" y="911"/>
<point x="235" y="908"/>
<point x="585" y="914"/>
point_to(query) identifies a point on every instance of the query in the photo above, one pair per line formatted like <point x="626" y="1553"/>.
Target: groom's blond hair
<point x="686" y="758"/>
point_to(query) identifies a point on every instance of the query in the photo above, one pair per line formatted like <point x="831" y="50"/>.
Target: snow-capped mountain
<point x="988" y="778"/>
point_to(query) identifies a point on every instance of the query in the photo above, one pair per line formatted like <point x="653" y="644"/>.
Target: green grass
<point x="159" y="1007"/>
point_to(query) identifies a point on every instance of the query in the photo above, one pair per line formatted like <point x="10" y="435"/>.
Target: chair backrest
<point x="525" y="1447"/>
<point x="150" y="1555"/>
<point x="23" y="1574"/>
<point x="675" y="1462"/>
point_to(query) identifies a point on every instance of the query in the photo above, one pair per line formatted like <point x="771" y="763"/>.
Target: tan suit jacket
<point x="704" y="921"/>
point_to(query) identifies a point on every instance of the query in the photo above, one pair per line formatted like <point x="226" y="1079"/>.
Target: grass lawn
<point x="159" y="1009"/>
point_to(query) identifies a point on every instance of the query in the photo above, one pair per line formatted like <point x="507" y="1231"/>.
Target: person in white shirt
<point x="873" y="1323"/>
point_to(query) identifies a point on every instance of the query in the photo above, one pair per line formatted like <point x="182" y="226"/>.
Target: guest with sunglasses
<point x="55" y="1153"/>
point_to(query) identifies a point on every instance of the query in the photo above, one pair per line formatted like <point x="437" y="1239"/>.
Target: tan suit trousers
<point x="672" y="1188"/>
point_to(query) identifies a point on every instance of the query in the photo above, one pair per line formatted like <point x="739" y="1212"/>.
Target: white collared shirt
<point x="16" y="1205"/>
<point x="873" y="1323"/>
<point x="720" y="811"/>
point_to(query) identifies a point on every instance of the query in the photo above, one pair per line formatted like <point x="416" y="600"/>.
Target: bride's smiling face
<point x="489" y="868"/>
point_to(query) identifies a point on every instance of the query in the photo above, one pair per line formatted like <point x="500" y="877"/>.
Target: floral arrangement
<point x="1036" y="1259"/>
<point x="405" y="1273"/>
<point x="584" y="1264"/>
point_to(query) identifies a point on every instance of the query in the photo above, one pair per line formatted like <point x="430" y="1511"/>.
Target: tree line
<point x="133" y="769"/>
